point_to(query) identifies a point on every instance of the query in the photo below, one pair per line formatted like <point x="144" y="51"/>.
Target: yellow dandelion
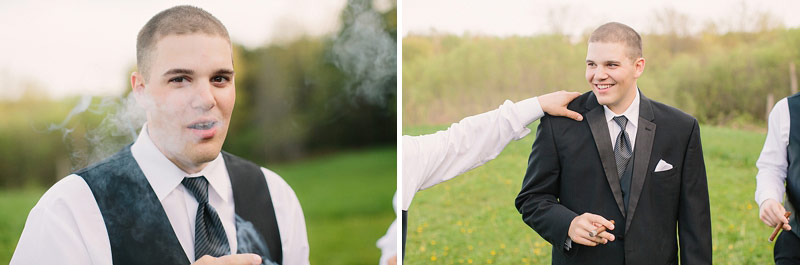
<point x="459" y="223"/>
<point x="446" y="248"/>
<point x="749" y="206"/>
<point x="489" y="261"/>
<point x="433" y="258"/>
<point x="422" y="249"/>
<point x="537" y="251"/>
<point x="470" y="247"/>
<point x="492" y="253"/>
<point x="525" y="260"/>
<point x="463" y="230"/>
<point x="503" y="246"/>
<point x="730" y="246"/>
<point x="419" y="229"/>
<point x="469" y="261"/>
<point x="433" y="242"/>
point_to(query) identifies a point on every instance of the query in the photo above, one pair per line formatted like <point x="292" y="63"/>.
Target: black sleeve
<point x="694" y="214"/>
<point x="538" y="200"/>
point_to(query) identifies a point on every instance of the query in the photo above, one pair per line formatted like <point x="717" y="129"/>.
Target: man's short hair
<point x="614" y="32"/>
<point x="178" y="20"/>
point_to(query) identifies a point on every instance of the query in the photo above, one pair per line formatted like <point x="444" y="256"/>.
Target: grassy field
<point x="346" y="199"/>
<point x="472" y="219"/>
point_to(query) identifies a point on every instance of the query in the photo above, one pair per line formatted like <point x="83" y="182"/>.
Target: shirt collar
<point x="164" y="176"/>
<point x="632" y="112"/>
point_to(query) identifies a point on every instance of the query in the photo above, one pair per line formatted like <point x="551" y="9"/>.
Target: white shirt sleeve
<point x="65" y="227"/>
<point x="434" y="158"/>
<point x="388" y="243"/>
<point x="773" y="162"/>
<point x="291" y="222"/>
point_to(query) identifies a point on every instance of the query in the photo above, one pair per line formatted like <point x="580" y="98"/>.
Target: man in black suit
<point x="633" y="160"/>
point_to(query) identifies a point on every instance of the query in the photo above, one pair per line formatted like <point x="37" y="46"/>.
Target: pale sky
<point x="87" y="46"/>
<point x="573" y="17"/>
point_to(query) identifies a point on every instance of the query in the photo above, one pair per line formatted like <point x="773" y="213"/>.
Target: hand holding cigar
<point x="600" y="230"/>
<point x="588" y="229"/>
<point x="778" y="227"/>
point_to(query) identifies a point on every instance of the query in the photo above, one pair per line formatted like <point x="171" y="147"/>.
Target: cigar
<point x="599" y="230"/>
<point x="778" y="228"/>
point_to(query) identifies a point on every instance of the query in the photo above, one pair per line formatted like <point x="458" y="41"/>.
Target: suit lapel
<point x="599" y="127"/>
<point x="644" y="145"/>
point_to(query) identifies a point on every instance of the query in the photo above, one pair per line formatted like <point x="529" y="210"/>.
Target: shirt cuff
<point x="529" y="110"/>
<point x="765" y="195"/>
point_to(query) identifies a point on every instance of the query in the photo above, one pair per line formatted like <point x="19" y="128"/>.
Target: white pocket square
<point x="663" y="166"/>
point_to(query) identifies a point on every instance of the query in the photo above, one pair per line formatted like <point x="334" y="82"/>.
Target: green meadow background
<point x="472" y="219"/>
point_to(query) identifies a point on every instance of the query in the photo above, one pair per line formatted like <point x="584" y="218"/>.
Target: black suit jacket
<point x="571" y="171"/>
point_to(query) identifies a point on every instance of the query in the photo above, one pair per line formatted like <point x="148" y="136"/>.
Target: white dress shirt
<point x="388" y="243"/>
<point x="66" y="226"/>
<point x="431" y="159"/>
<point x="773" y="162"/>
<point x="632" y="114"/>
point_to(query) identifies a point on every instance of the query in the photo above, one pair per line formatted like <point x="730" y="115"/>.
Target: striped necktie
<point x="209" y="235"/>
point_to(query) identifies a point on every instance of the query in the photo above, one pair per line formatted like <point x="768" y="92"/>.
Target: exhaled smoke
<point x="81" y="107"/>
<point x="250" y="241"/>
<point x="119" y="127"/>
<point x="366" y="52"/>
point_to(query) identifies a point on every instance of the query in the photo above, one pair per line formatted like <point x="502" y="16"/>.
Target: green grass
<point x="15" y="205"/>
<point x="346" y="198"/>
<point x="472" y="219"/>
<point x="347" y="201"/>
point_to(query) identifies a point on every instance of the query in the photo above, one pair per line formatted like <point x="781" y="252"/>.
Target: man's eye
<point x="219" y="79"/>
<point x="179" y="79"/>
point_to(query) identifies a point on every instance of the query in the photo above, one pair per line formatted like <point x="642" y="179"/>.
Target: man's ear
<point x="137" y="87"/>
<point x="638" y="67"/>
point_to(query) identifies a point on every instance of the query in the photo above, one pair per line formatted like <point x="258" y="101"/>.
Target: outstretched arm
<point x="475" y="140"/>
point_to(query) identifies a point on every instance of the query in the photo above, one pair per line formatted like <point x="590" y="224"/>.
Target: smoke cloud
<point x="366" y="52"/>
<point x="119" y="126"/>
<point x="250" y="241"/>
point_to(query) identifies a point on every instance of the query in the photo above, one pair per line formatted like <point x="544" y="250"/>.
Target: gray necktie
<point x="622" y="150"/>
<point x="209" y="235"/>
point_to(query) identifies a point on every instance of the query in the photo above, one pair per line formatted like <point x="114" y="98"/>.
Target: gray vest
<point x="139" y="230"/>
<point x="793" y="157"/>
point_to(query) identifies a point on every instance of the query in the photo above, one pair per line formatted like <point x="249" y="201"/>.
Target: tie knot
<point x="621" y="121"/>
<point x="198" y="186"/>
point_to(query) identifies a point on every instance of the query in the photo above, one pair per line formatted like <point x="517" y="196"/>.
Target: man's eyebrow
<point x="176" y="71"/>
<point x="224" y="72"/>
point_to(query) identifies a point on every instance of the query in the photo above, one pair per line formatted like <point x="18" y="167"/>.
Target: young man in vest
<point x="779" y="173"/>
<point x="172" y="197"/>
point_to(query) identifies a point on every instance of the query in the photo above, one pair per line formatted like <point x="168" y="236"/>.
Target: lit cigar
<point x="778" y="228"/>
<point x="599" y="230"/>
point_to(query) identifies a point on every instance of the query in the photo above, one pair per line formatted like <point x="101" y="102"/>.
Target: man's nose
<point x="203" y="98"/>
<point x="600" y="73"/>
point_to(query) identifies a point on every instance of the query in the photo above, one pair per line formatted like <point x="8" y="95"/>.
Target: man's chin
<point x="204" y="152"/>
